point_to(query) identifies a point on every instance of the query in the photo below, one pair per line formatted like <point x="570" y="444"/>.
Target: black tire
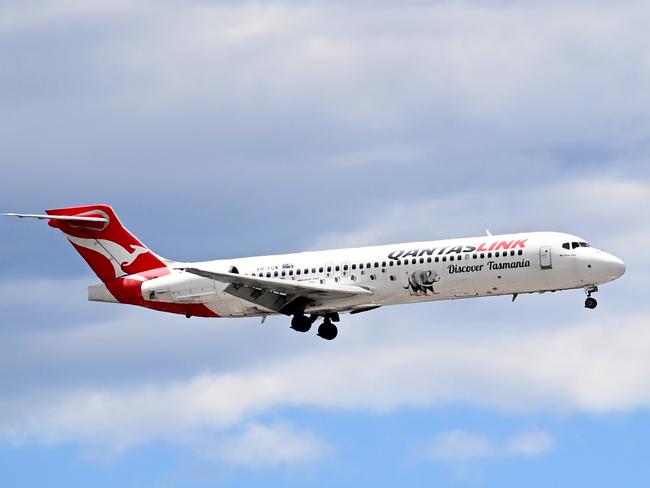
<point x="328" y="331"/>
<point x="590" y="303"/>
<point x="301" y="323"/>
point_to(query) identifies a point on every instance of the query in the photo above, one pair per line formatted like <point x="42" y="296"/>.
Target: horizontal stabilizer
<point x="101" y="239"/>
<point x="72" y="218"/>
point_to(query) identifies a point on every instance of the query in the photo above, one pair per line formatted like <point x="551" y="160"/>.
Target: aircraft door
<point x="545" y="257"/>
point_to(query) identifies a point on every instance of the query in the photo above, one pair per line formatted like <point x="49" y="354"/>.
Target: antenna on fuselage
<point x="487" y="232"/>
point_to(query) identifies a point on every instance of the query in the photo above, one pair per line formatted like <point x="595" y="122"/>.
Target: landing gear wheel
<point x="327" y="330"/>
<point x="301" y="323"/>
<point x="590" y="303"/>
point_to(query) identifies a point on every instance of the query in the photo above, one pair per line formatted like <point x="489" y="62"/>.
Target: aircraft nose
<point x="615" y="267"/>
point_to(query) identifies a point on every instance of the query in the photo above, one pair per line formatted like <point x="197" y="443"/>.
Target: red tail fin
<point x="106" y="245"/>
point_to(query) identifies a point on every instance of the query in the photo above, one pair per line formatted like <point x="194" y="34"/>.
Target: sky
<point x="221" y="129"/>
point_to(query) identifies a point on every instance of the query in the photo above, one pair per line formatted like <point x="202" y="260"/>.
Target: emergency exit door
<point x="545" y="257"/>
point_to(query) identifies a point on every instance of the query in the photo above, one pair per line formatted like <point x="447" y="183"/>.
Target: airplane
<point x="310" y="285"/>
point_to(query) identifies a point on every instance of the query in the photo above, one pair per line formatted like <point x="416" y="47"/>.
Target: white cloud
<point x="595" y="368"/>
<point x="453" y="93"/>
<point x="528" y="444"/>
<point x="396" y="68"/>
<point x="461" y="450"/>
<point x="455" y="68"/>
<point x="263" y="446"/>
<point x="459" y="445"/>
<point x="595" y="204"/>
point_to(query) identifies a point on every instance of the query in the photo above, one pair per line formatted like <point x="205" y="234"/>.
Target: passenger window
<point x="354" y="266"/>
<point x="444" y="259"/>
<point x="345" y="267"/>
<point x="368" y="265"/>
<point x="390" y="263"/>
<point x="399" y="262"/>
<point x="429" y="259"/>
<point x="275" y="273"/>
<point x="320" y="270"/>
<point x="496" y="254"/>
<point x="520" y="252"/>
<point x="313" y="270"/>
<point x="474" y="256"/>
<point x="376" y="265"/>
<point x="290" y="272"/>
<point x="489" y="255"/>
<point x="413" y="261"/>
<point x="512" y="253"/>
<point x="566" y="245"/>
<point x="383" y="264"/>
<point x="421" y="260"/>
<point x="451" y="258"/>
<point x="437" y="259"/>
<point x="329" y="268"/>
<point x="268" y="274"/>
<point x="337" y="268"/>
<point x="284" y="273"/>
<point x="297" y="271"/>
<point x="360" y="265"/>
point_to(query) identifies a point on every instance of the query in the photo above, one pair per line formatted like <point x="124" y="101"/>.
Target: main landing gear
<point x="327" y="330"/>
<point x="302" y="323"/>
<point x="590" y="302"/>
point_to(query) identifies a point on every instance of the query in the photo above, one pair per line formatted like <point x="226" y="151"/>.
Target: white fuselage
<point x="405" y="273"/>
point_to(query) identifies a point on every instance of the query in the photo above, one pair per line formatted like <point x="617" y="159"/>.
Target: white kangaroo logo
<point x="116" y="254"/>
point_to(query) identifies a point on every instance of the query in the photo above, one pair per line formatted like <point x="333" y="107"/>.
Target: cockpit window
<point x="573" y="245"/>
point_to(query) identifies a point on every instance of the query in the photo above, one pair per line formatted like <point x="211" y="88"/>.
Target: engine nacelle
<point x="179" y="287"/>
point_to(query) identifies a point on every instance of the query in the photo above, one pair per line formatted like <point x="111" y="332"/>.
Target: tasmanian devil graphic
<point x="422" y="281"/>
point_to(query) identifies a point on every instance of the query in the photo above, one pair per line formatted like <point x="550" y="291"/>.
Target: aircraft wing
<point x="283" y="296"/>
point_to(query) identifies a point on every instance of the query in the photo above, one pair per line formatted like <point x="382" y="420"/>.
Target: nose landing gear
<point x="590" y="302"/>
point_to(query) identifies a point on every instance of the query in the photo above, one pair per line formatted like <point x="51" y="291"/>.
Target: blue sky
<point x="221" y="129"/>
